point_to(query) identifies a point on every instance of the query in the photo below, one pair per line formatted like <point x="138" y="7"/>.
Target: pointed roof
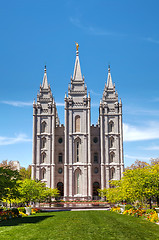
<point x="45" y="83"/>
<point x="77" y="75"/>
<point x="109" y="79"/>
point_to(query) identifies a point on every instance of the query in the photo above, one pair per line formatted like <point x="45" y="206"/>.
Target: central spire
<point x="77" y="75"/>
<point x="109" y="79"/>
<point x="45" y="83"/>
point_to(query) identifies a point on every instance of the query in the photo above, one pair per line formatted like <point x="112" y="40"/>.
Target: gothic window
<point x="43" y="142"/>
<point x="111" y="143"/>
<point x="60" y="157"/>
<point x="43" y="173"/>
<point x="43" y="127"/>
<point x="77" y="124"/>
<point x="111" y="126"/>
<point x="43" y="157"/>
<point x="77" y="152"/>
<point x="95" y="157"/>
<point x="112" y="173"/>
<point x="111" y="156"/>
<point x="77" y="181"/>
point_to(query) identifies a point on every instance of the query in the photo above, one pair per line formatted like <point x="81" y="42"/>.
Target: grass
<point x="82" y="225"/>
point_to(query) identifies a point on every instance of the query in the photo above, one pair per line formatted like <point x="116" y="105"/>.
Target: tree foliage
<point x="8" y="183"/>
<point x="138" y="184"/>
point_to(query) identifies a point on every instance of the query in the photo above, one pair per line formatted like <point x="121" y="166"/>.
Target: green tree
<point x="25" y="172"/>
<point x="8" y="183"/>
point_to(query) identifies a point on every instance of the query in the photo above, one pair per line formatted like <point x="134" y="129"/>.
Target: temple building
<point x="77" y="158"/>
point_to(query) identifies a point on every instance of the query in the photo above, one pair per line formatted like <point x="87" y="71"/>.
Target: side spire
<point x="77" y="75"/>
<point x="45" y="83"/>
<point x="109" y="79"/>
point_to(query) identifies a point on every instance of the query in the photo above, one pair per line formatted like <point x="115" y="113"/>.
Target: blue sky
<point x="123" y="33"/>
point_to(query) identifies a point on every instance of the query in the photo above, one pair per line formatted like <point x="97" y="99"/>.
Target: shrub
<point x="22" y="209"/>
<point x="148" y="211"/>
<point x="129" y="206"/>
<point x="15" y="211"/>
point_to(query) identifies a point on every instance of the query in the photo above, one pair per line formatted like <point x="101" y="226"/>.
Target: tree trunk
<point x="158" y="201"/>
<point x="150" y="203"/>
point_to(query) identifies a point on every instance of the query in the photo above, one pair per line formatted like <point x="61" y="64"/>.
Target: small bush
<point x="129" y="206"/>
<point x="15" y="211"/>
<point x="150" y="211"/>
<point x="22" y="209"/>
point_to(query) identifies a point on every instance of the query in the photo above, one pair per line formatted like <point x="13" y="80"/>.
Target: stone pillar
<point x="102" y="145"/>
<point x="66" y="151"/>
<point x="121" y="138"/>
<point x="34" y="142"/>
<point x="53" y="146"/>
<point x="89" y="151"/>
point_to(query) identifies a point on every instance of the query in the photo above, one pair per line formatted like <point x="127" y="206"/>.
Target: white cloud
<point x="94" y="30"/>
<point x="60" y="104"/>
<point x="136" y="133"/>
<point x="151" y="148"/>
<point x="13" y="140"/>
<point x="24" y="104"/>
<point x="95" y="93"/>
<point x="136" y="157"/>
<point x="152" y="40"/>
<point x="17" y="103"/>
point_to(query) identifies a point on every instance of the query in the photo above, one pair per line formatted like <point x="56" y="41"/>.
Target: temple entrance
<point x="95" y="192"/>
<point x="60" y="188"/>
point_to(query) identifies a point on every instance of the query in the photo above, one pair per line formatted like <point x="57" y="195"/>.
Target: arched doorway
<point x="95" y="188"/>
<point x="60" y="188"/>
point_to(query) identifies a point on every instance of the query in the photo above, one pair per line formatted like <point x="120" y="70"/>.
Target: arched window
<point x="60" y="157"/>
<point x="111" y="126"/>
<point x="60" y="188"/>
<point x="77" y="150"/>
<point x="43" y="127"/>
<point x="43" y="142"/>
<point x="111" y="157"/>
<point x="95" y="188"/>
<point x="78" y="186"/>
<point x="95" y="157"/>
<point x="112" y="173"/>
<point x="43" y="157"/>
<point x="111" y="142"/>
<point x="43" y="173"/>
<point x="77" y="124"/>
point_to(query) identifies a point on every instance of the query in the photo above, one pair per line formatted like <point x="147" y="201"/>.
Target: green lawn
<point x="78" y="225"/>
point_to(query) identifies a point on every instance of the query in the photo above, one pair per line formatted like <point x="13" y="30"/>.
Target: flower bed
<point x="8" y="214"/>
<point x="149" y="214"/>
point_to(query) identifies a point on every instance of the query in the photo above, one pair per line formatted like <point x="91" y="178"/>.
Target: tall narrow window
<point x="43" y="127"/>
<point x="43" y="158"/>
<point x="95" y="157"/>
<point x="43" y="173"/>
<point x="60" y="157"/>
<point x="43" y="142"/>
<point x="77" y="124"/>
<point x="112" y="173"/>
<point x="111" y="157"/>
<point x="78" y="183"/>
<point x="111" y="126"/>
<point x="111" y="142"/>
<point x="77" y="152"/>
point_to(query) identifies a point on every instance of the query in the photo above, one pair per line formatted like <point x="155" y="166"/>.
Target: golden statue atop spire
<point x="77" y="46"/>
